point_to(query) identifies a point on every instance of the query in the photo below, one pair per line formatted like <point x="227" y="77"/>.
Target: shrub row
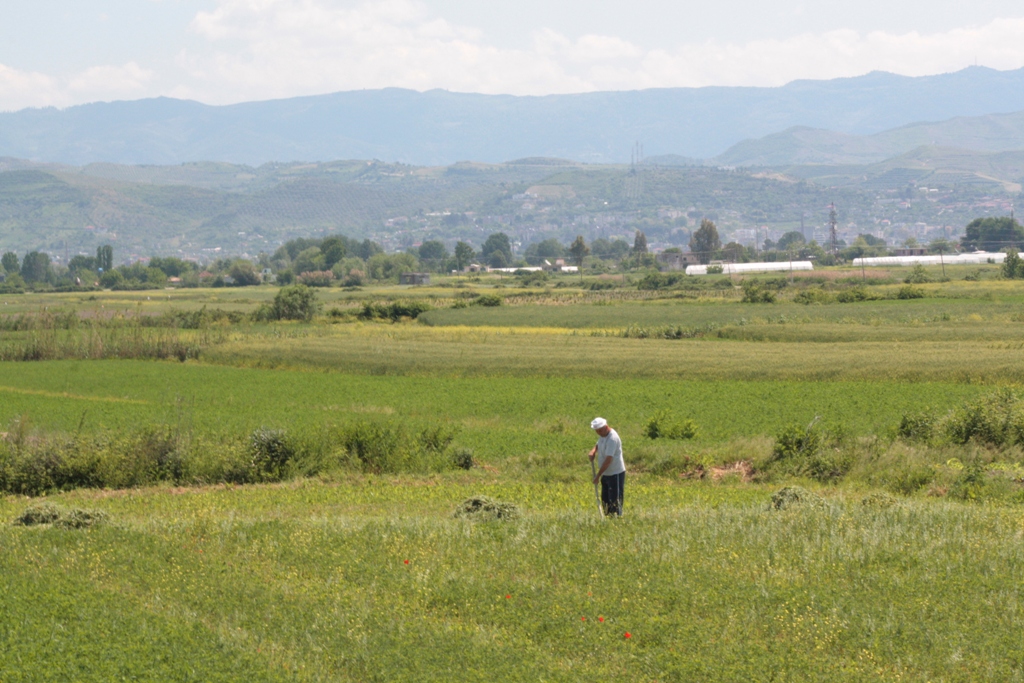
<point x="32" y="464"/>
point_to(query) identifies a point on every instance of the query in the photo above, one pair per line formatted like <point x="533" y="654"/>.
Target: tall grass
<point x="374" y="580"/>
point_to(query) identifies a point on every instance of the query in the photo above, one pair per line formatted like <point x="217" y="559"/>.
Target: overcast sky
<point x="64" y="52"/>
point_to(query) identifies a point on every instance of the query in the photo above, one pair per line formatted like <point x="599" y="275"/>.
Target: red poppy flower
<point x="583" y="618"/>
<point x="407" y="561"/>
<point x="601" y="619"/>
<point x="508" y="597"/>
<point x="628" y="634"/>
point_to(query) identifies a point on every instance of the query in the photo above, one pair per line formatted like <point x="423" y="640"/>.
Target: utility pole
<point x="833" y="220"/>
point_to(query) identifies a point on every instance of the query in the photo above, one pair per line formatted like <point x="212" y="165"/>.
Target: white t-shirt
<point x="610" y="447"/>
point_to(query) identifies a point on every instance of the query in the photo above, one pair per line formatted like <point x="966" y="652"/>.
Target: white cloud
<point x="111" y="80"/>
<point x="259" y="49"/>
<point x="278" y="48"/>
<point x="20" y="89"/>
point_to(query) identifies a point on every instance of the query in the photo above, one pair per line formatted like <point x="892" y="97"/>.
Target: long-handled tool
<point x="597" y="495"/>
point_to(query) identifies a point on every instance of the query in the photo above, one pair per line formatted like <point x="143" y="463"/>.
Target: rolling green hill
<point x="802" y="145"/>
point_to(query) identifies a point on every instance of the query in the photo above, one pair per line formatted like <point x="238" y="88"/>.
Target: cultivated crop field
<point x="823" y="492"/>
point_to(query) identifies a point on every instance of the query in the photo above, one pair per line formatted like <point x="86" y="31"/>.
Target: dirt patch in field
<point x="742" y="470"/>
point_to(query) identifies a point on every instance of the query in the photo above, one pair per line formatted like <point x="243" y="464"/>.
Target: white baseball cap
<point x="598" y="422"/>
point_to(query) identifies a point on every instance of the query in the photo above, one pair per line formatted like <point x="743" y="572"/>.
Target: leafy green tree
<point x="605" y="249"/>
<point x="940" y="246"/>
<point x="497" y="242"/>
<point x="172" y="266"/>
<point x="578" y="251"/>
<point x="245" y="273"/>
<point x="367" y="249"/>
<point x="639" y="243"/>
<point x="308" y="261"/>
<point x="549" y="249"/>
<point x="10" y="262"/>
<point x="705" y="241"/>
<point x="1013" y="265"/>
<point x="80" y="263"/>
<point x="993" y="234"/>
<point x="105" y="257"/>
<point x="434" y="253"/>
<point x="111" y="278"/>
<point x="333" y="249"/>
<point x="35" y="267"/>
<point x="390" y="266"/>
<point x="734" y="252"/>
<point x="463" y="254"/>
<point x="295" y="302"/>
<point x="791" y="240"/>
<point x="497" y="259"/>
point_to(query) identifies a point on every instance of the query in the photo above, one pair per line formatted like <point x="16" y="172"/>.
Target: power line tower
<point x="635" y="182"/>
<point x="833" y="236"/>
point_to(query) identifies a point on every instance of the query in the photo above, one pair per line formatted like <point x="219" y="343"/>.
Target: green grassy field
<point x="347" y="575"/>
<point x="499" y="416"/>
<point x="310" y="582"/>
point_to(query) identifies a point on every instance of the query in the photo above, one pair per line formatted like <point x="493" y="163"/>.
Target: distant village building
<point x="414" y="279"/>
<point x="473" y="268"/>
<point x="268" y="276"/>
<point x="910" y="251"/>
<point x="675" y="260"/>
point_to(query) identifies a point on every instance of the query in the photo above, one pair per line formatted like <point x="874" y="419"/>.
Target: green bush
<point x="855" y="294"/>
<point x="488" y="300"/>
<point x="794" y="442"/>
<point x="662" y="426"/>
<point x="917" y="276"/>
<point x="918" y="426"/>
<point x="394" y="311"/>
<point x="462" y="459"/>
<point x="813" y="296"/>
<point x="294" y="302"/>
<point x="996" y="419"/>
<point x="808" y="452"/>
<point x="654" y="281"/>
<point x="391" y="448"/>
<point x="910" y="292"/>
<point x="907" y="478"/>
<point x="270" y="452"/>
<point x="756" y="293"/>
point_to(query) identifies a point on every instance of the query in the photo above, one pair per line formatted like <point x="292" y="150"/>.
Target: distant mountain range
<point x="440" y="127"/>
<point x="802" y="145"/>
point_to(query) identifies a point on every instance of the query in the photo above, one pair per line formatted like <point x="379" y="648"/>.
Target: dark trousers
<point x="612" y="488"/>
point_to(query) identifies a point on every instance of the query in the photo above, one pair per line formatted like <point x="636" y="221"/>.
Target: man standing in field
<point x="612" y="469"/>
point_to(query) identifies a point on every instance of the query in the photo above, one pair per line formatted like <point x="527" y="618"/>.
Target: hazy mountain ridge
<point x="438" y="128"/>
<point x="802" y="145"/>
<point x="204" y="210"/>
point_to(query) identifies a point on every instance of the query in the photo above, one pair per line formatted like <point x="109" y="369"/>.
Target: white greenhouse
<point x="977" y="257"/>
<point x="764" y="267"/>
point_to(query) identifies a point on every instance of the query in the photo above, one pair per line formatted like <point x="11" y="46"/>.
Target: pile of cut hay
<point x="485" y="508"/>
<point x="48" y="514"/>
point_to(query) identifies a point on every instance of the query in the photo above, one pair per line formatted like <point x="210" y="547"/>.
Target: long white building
<point x="977" y="257"/>
<point x="764" y="267"/>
